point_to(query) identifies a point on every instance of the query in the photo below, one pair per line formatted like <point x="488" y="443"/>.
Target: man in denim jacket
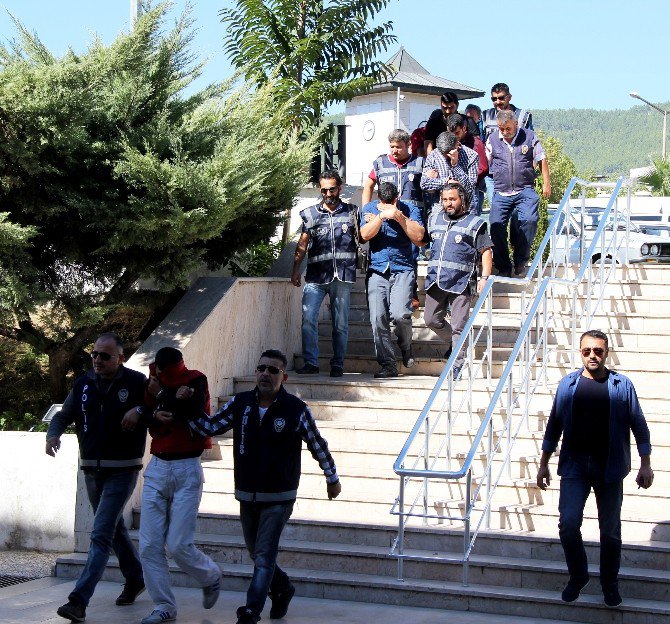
<point x="595" y="409"/>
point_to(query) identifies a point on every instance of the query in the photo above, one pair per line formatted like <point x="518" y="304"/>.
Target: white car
<point x="642" y="247"/>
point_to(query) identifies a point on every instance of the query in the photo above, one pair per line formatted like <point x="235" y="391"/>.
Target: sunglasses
<point x="496" y="98"/>
<point x="273" y="370"/>
<point x="332" y="189"/>
<point x="597" y="351"/>
<point x="105" y="357"/>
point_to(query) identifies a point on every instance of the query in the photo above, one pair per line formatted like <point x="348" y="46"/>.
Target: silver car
<point x="640" y="247"/>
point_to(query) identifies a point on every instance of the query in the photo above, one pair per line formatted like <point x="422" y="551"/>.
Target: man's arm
<point x="431" y="180"/>
<point x="412" y="225"/>
<point x="221" y="422"/>
<point x="371" y="221"/>
<point x="300" y="252"/>
<point x="368" y="187"/>
<point x="487" y="266"/>
<point x="59" y="423"/>
<point x="318" y="447"/>
<point x="640" y="429"/>
<point x="483" y="169"/>
<point x="546" y="179"/>
<point x="551" y="436"/>
<point x="543" y="472"/>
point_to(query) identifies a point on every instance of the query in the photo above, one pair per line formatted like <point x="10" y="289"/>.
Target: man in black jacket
<point x="269" y="426"/>
<point x="104" y="405"/>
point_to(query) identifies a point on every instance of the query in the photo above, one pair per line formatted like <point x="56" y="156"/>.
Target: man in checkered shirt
<point x="449" y="161"/>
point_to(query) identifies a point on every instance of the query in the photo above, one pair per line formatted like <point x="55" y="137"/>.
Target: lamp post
<point x="663" y="112"/>
<point x="135" y="10"/>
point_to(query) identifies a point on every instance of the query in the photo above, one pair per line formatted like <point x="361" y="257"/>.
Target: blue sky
<point x="567" y="54"/>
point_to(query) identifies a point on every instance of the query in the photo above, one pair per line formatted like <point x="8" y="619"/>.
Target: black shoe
<point x="246" y="616"/>
<point x="73" y="611"/>
<point x="573" y="589"/>
<point x="447" y="354"/>
<point x="280" y="602"/>
<point x="408" y="358"/>
<point x="336" y="371"/>
<point x="386" y="372"/>
<point x="131" y="590"/>
<point x="456" y="371"/>
<point x="612" y="596"/>
<point x="520" y="270"/>
<point x="308" y="369"/>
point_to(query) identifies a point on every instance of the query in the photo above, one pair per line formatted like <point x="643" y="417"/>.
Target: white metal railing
<point x="427" y="461"/>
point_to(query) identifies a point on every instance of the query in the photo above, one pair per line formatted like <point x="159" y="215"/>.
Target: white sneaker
<point x="157" y="616"/>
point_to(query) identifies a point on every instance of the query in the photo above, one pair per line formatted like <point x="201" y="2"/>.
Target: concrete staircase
<point x="339" y="549"/>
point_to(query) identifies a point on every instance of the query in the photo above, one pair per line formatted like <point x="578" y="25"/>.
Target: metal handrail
<point x="529" y="353"/>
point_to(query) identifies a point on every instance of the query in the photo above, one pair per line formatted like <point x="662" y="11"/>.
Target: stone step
<point x="440" y="594"/>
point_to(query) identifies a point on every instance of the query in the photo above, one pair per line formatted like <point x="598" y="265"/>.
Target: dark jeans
<point x="108" y="493"/>
<point x="524" y="206"/>
<point x="262" y="525"/>
<point x="575" y="488"/>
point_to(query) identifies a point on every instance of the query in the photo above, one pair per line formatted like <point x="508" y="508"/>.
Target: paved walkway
<point x="36" y="602"/>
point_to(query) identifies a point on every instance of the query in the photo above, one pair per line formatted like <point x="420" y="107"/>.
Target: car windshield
<point x="592" y="219"/>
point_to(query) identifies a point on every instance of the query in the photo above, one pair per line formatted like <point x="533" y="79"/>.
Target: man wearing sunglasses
<point x="594" y="409"/>
<point x="104" y="405"/>
<point x="269" y="426"/>
<point x="501" y="99"/>
<point x="328" y="238"/>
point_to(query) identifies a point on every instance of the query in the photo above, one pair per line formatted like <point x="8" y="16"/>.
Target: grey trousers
<point x="390" y="301"/>
<point x="435" y="313"/>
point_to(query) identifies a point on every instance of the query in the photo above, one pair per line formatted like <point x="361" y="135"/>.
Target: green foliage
<point x="321" y="51"/>
<point x="110" y="174"/>
<point x="606" y="142"/>
<point x="659" y="177"/>
<point x="256" y="260"/>
<point x="561" y="170"/>
<point x="24" y="391"/>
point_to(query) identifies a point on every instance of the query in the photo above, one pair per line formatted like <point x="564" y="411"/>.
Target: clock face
<point x="368" y="130"/>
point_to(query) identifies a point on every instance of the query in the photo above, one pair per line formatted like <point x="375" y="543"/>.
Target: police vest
<point x="490" y="122"/>
<point x="407" y="177"/>
<point x="331" y="253"/>
<point x="513" y="170"/>
<point x="454" y="258"/>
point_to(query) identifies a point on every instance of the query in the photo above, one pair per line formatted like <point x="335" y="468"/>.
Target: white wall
<point x="381" y="110"/>
<point x="37" y="509"/>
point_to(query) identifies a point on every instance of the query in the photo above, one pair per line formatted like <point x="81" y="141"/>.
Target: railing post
<point x="401" y="527"/>
<point x="466" y="528"/>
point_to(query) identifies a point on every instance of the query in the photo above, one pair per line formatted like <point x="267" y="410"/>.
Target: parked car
<point x="642" y="246"/>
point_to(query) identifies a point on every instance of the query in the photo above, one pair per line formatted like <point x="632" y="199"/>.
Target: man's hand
<point x="645" y="477"/>
<point x="388" y="212"/>
<point x="368" y="216"/>
<point x="333" y="489"/>
<point x="431" y="173"/>
<point x="53" y="444"/>
<point x="130" y="420"/>
<point x="163" y="417"/>
<point x="543" y="477"/>
<point x="546" y="190"/>
<point x="295" y="277"/>
<point x="185" y="392"/>
<point x="481" y="284"/>
<point x="452" y="156"/>
<point x="153" y="387"/>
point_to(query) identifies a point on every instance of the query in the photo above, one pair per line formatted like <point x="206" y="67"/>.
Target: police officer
<point x="513" y="152"/>
<point x="459" y="240"/>
<point x="329" y="240"/>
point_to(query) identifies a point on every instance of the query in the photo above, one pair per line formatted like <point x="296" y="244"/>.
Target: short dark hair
<point x="595" y="333"/>
<point x="500" y="86"/>
<point x="455" y="120"/>
<point x="446" y="141"/>
<point x="387" y="192"/>
<point x="449" y="97"/>
<point x="331" y="174"/>
<point x="167" y="356"/>
<point x="473" y="107"/>
<point x="276" y="354"/>
<point x="111" y="336"/>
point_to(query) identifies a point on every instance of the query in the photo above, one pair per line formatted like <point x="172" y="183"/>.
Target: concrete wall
<point x="221" y="325"/>
<point x="37" y="511"/>
<point x="381" y="110"/>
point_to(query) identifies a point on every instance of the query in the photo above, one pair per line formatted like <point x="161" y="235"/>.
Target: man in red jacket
<point x="173" y="485"/>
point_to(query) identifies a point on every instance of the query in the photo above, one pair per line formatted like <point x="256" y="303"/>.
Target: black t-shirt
<point x="437" y="124"/>
<point x="590" y="418"/>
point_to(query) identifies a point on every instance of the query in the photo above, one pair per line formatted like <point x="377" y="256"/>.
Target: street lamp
<point x="135" y="10"/>
<point x="663" y="112"/>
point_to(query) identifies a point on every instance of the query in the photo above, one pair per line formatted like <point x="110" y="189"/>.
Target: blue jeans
<point x="477" y="202"/>
<point x="582" y="475"/>
<point x="525" y="204"/>
<point x="262" y="525"/>
<point x="312" y="298"/>
<point x="108" y="493"/>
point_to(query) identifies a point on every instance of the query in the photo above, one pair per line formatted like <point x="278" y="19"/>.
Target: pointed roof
<point x="411" y="76"/>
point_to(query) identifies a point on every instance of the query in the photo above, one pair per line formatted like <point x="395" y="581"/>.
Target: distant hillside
<point x="605" y="142"/>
